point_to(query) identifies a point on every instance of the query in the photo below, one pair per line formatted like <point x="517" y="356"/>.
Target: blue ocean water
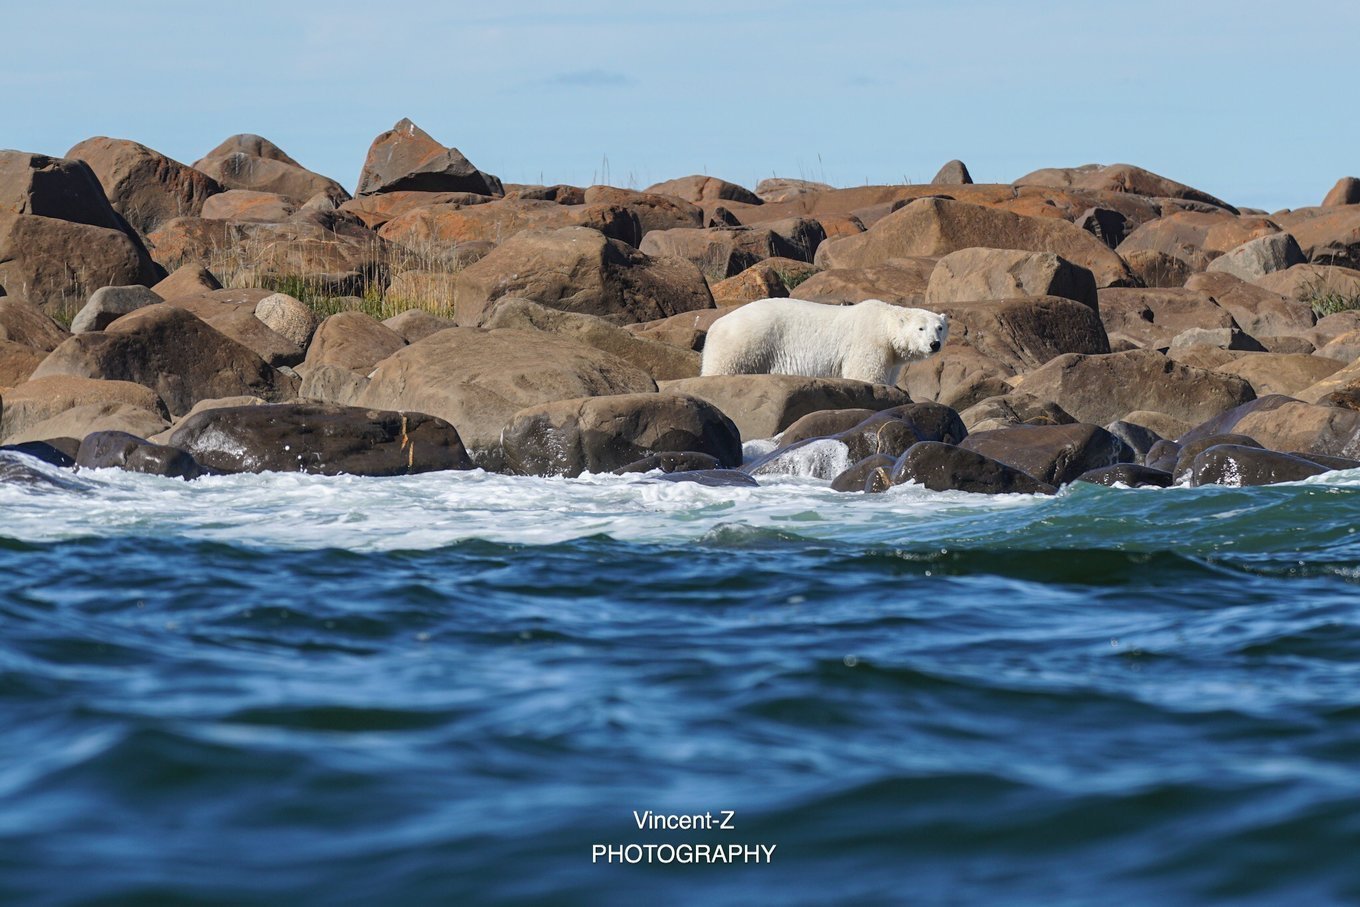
<point x="448" y="689"/>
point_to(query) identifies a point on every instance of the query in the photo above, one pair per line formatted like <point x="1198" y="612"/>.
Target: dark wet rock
<point x="876" y="469"/>
<point x="1232" y="464"/>
<point x="1329" y="462"/>
<point x="603" y="433"/>
<point x="931" y="421"/>
<point x="714" y="478"/>
<point x="822" y="424"/>
<point x="1163" y="456"/>
<point x="1055" y="454"/>
<point x="1185" y="457"/>
<point x="1130" y="474"/>
<point x="764" y="405"/>
<point x="56" y="452"/>
<point x="672" y="461"/>
<point x="944" y="467"/>
<point x="320" y="438"/>
<point x="1138" y="437"/>
<point x="1013" y="408"/>
<point x="120" y="450"/>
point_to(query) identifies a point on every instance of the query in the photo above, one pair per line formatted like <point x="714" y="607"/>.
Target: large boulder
<point x="376" y="210"/>
<point x="352" y="340"/>
<point x="701" y="189"/>
<point x="1304" y="427"/>
<point x="1345" y="192"/>
<point x="1262" y="308"/>
<point x="577" y="269"/>
<point x="144" y="186"/>
<point x="251" y="162"/>
<point x="1100" y="389"/>
<point x="320" y="438"/>
<point x="25" y="323"/>
<point x="478" y="379"/>
<point x="1196" y="237"/>
<point x="17" y="362"/>
<point x="1154" y="318"/>
<point x="937" y="227"/>
<point x="662" y="361"/>
<point x="900" y="281"/>
<point x="40" y="399"/>
<point x="123" y="450"/>
<point x="764" y="405"/>
<point x="1327" y="236"/>
<point x="171" y="351"/>
<point x="1021" y="334"/>
<point x="1231" y="464"/>
<point x="108" y="304"/>
<point x="1056" y="454"/>
<point x="653" y="212"/>
<point x="451" y="225"/>
<point x="601" y="434"/>
<point x="723" y="252"/>
<point x="1258" y="257"/>
<point x="60" y="239"/>
<point x="944" y="467"/>
<point x="1281" y="373"/>
<point x="971" y="274"/>
<point x="1119" y="178"/>
<point x="249" y="205"/>
<point x="406" y="157"/>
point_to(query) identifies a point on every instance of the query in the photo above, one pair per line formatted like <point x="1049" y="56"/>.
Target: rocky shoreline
<point x="246" y="314"/>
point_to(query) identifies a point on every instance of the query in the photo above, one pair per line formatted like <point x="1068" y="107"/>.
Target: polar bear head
<point x="914" y="333"/>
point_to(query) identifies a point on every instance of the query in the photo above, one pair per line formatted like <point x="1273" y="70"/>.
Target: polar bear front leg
<point x="877" y="365"/>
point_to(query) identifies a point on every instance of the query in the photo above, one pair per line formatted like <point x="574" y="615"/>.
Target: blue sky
<point x="1247" y="100"/>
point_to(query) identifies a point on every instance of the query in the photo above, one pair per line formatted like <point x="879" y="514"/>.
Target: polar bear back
<point x="796" y="337"/>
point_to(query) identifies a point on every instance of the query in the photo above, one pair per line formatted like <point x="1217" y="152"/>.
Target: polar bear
<point x="869" y="341"/>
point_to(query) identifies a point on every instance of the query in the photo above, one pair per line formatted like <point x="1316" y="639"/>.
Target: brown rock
<point x="248" y="205"/>
<point x="937" y="227"/>
<point x="971" y="274"/>
<point x="40" y="399"/>
<point x="1258" y="257"/>
<point x="687" y="330"/>
<point x="1281" y="373"/>
<point x="406" y="158"/>
<point x="699" y="189"/>
<point x="417" y="324"/>
<point x="17" y="362"/>
<point x="823" y="424"/>
<point x="900" y="281"/>
<point x="171" y="351"/>
<point x="1327" y="236"/>
<point x="1056" y="454"/>
<point x="872" y="474"/>
<point x="1158" y="269"/>
<point x="144" y="186"/>
<point x="1323" y="286"/>
<point x="653" y="212"/>
<point x="1259" y="309"/>
<point x="376" y="210"/>
<point x="477" y="379"/>
<point x="601" y="434"/>
<point x="1020" y="334"/>
<point x="764" y="405"/>
<point x="579" y="270"/>
<point x="1153" y="318"/>
<point x="1327" y="430"/>
<point x="1345" y="192"/>
<point x="21" y="322"/>
<point x="1014" y="408"/>
<point x="768" y="279"/>
<point x="782" y="189"/>
<point x="352" y="340"/>
<point x="1197" y="237"/>
<point x="499" y="220"/>
<point x="79" y="421"/>
<point x="1119" y="178"/>
<point x="1099" y="389"/>
<point x="660" y="360"/>
<point x="727" y="251"/>
<point x="255" y="163"/>
<point x="187" y="280"/>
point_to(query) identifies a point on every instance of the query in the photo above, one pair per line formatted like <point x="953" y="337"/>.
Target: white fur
<point x="869" y="341"/>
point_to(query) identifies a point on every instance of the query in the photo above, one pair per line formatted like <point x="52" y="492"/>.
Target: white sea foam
<point x="292" y="510"/>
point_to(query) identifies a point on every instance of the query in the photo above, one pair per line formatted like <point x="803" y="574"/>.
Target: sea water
<point x="454" y="688"/>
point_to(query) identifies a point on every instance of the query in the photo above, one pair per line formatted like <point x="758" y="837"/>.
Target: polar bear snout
<point x="934" y="346"/>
